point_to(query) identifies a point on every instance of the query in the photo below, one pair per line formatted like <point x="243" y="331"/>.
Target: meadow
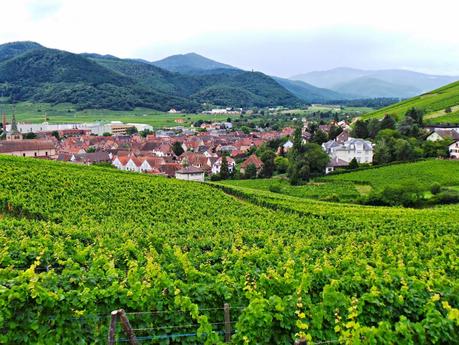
<point x="66" y="113"/>
<point x="78" y="242"/>
<point x="422" y="174"/>
<point x="330" y="190"/>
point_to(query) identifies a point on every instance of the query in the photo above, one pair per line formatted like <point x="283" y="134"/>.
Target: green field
<point x="78" y="242"/>
<point x="433" y="103"/>
<point x="422" y="174"/>
<point x="326" y="108"/>
<point x="342" y="190"/>
<point x="66" y="113"/>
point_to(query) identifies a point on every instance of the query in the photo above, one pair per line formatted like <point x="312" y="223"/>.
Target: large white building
<point x="360" y="149"/>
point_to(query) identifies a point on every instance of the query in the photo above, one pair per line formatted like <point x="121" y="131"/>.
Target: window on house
<point x="46" y="153"/>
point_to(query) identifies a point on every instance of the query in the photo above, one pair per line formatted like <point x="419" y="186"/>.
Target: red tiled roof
<point x="25" y="145"/>
<point x="253" y="159"/>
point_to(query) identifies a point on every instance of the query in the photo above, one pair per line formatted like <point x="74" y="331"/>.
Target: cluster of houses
<point x="185" y="154"/>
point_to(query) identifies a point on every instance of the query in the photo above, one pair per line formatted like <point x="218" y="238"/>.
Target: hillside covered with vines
<point x="78" y="242"/>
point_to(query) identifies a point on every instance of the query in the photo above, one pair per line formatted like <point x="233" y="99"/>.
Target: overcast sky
<point x="283" y="37"/>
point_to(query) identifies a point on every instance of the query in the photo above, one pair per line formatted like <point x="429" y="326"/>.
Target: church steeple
<point x="4" y="122"/>
<point x="14" y="125"/>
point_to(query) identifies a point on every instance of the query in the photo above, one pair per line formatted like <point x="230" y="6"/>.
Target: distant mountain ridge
<point x="29" y="71"/>
<point x="195" y="64"/>
<point x="375" y="83"/>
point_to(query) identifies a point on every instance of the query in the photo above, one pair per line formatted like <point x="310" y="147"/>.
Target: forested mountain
<point x="32" y="72"/>
<point x="189" y="63"/>
<point x="197" y="65"/>
<point x="10" y="50"/>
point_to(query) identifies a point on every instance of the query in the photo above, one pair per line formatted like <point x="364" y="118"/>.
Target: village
<point x="184" y="153"/>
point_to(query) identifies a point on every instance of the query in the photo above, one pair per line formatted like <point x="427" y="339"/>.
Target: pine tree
<point x="224" y="170"/>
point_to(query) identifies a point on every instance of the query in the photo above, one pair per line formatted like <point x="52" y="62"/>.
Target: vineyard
<point x="422" y="174"/>
<point x="79" y="242"/>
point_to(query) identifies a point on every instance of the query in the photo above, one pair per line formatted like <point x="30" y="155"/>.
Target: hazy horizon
<point x="278" y="39"/>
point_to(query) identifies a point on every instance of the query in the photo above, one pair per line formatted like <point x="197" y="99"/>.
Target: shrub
<point x="445" y="197"/>
<point x="435" y="188"/>
<point x="215" y="177"/>
<point x="275" y="188"/>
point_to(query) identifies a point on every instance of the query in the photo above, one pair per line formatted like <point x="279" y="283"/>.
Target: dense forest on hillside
<point x="29" y="72"/>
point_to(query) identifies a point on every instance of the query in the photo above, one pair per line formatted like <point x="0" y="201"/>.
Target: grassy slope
<point x="66" y="113"/>
<point x="422" y="173"/>
<point x="346" y="191"/>
<point x="434" y="101"/>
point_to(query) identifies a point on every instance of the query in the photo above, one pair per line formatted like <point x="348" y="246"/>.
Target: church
<point x="13" y="144"/>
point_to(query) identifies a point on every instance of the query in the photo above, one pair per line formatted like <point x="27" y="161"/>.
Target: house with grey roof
<point x="360" y="149"/>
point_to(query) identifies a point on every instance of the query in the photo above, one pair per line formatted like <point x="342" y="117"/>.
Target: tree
<point x="56" y="135"/>
<point x="251" y="171"/>
<point x="107" y="134"/>
<point x="311" y="162"/>
<point x="334" y="132"/>
<point x="268" y="163"/>
<point x="90" y="149"/>
<point x="145" y="132"/>
<point x="416" y="114"/>
<point x="224" y="170"/>
<point x="319" y="137"/>
<point x="297" y="140"/>
<point x="373" y="126"/>
<point x="360" y="129"/>
<point x="353" y="164"/>
<point x="388" y="122"/>
<point x="281" y="164"/>
<point x="131" y="130"/>
<point x="409" y="127"/>
<point x="448" y="110"/>
<point x="30" y="136"/>
<point x="177" y="148"/>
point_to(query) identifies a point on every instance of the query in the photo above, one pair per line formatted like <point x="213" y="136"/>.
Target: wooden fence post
<point x="112" y="329"/>
<point x="127" y="327"/>
<point x="228" y="331"/>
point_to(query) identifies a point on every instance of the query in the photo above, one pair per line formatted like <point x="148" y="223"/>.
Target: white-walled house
<point x="360" y="149"/>
<point x="454" y="150"/>
<point x="287" y="146"/>
<point x="190" y="174"/>
<point x="133" y="164"/>
<point x="443" y="134"/>
<point x="216" y="167"/>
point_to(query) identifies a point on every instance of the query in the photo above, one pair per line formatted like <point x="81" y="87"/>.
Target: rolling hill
<point x="370" y="87"/>
<point x="433" y="103"/>
<point x="30" y="72"/>
<point x="310" y="93"/>
<point x="375" y="83"/>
